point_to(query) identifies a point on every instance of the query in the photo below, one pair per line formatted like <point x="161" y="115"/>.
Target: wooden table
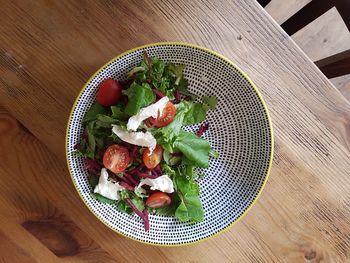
<point x="50" y="48"/>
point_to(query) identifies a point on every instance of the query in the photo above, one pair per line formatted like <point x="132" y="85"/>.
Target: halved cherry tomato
<point x="158" y="199"/>
<point x="116" y="158"/>
<point x="109" y="92"/>
<point x="168" y="115"/>
<point x="153" y="159"/>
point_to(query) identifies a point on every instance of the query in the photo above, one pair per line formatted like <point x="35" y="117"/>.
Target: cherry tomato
<point x="109" y="92"/>
<point x="158" y="199"/>
<point x="153" y="159"/>
<point x="167" y="116"/>
<point x="116" y="158"/>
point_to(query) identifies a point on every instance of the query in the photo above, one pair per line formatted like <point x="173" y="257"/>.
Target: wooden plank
<point x="326" y="36"/>
<point x="282" y="10"/>
<point x="343" y="85"/>
<point x="44" y="63"/>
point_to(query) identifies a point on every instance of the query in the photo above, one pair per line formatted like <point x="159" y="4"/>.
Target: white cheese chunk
<point x="150" y="111"/>
<point x="107" y="188"/>
<point x="162" y="183"/>
<point x="143" y="139"/>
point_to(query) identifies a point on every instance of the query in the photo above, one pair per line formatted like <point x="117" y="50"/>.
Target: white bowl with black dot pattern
<point x="240" y="130"/>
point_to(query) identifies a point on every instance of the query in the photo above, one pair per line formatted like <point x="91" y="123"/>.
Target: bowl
<point x="240" y="130"/>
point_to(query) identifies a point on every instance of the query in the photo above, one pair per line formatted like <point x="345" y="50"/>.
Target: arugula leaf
<point x="123" y="207"/>
<point x="209" y="102"/>
<point x="194" y="112"/>
<point x="139" y="96"/>
<point x="183" y="88"/>
<point x="118" y="114"/>
<point x="168" y="170"/>
<point x="170" y="159"/>
<point x="124" y="194"/>
<point x="135" y="70"/>
<point x="194" y="148"/>
<point x="103" y="199"/>
<point x="84" y="150"/>
<point x="166" y="136"/>
<point x="186" y="113"/>
<point x="213" y="153"/>
<point x="177" y="71"/>
<point x="140" y="192"/>
<point x="105" y="121"/>
<point x="157" y="69"/>
<point x="190" y="208"/>
<point x="91" y="137"/>
<point x="93" y="180"/>
<point x="92" y="113"/>
<point x="138" y="202"/>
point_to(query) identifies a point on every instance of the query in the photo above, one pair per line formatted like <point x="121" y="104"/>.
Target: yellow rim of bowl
<point x="215" y="54"/>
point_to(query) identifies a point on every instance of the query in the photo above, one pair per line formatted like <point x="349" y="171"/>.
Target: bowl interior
<point x="239" y="130"/>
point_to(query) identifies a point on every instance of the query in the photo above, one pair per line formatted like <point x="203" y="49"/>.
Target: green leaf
<point x="140" y="192"/>
<point x="177" y="71"/>
<point x="157" y="68"/>
<point x="135" y="70"/>
<point x="123" y="207"/>
<point x="125" y="194"/>
<point x="92" y="113"/>
<point x="190" y="208"/>
<point x="194" y="148"/>
<point x="138" y="202"/>
<point x="166" y="156"/>
<point x="139" y="96"/>
<point x="194" y="112"/>
<point x="172" y="130"/>
<point x="170" y="159"/>
<point x="84" y="150"/>
<point x="118" y="114"/>
<point x="168" y="170"/>
<point x="170" y="209"/>
<point x="163" y="85"/>
<point x="183" y="88"/>
<point x="211" y="101"/>
<point x="100" y="142"/>
<point x="102" y="199"/>
<point x="105" y="121"/>
<point x="213" y="153"/>
<point x="91" y="137"/>
<point x="93" y="180"/>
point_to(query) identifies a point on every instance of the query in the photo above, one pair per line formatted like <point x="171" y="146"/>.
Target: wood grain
<point x="317" y="231"/>
<point x="343" y="85"/>
<point x="48" y="49"/>
<point x="324" y="37"/>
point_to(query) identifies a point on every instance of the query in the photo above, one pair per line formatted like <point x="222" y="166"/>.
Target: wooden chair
<point x="332" y="66"/>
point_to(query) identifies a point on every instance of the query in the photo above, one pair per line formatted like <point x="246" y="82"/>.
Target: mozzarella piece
<point x="150" y="111"/>
<point x="162" y="183"/>
<point x="144" y="139"/>
<point x="107" y="188"/>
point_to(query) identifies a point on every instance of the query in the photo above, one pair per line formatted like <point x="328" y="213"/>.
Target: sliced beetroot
<point x="127" y="186"/>
<point x="202" y="129"/>
<point x="130" y="179"/>
<point x="143" y="215"/>
<point x="158" y="93"/>
<point x="177" y="96"/>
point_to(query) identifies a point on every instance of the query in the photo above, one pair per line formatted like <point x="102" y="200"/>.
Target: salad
<point x="137" y="154"/>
